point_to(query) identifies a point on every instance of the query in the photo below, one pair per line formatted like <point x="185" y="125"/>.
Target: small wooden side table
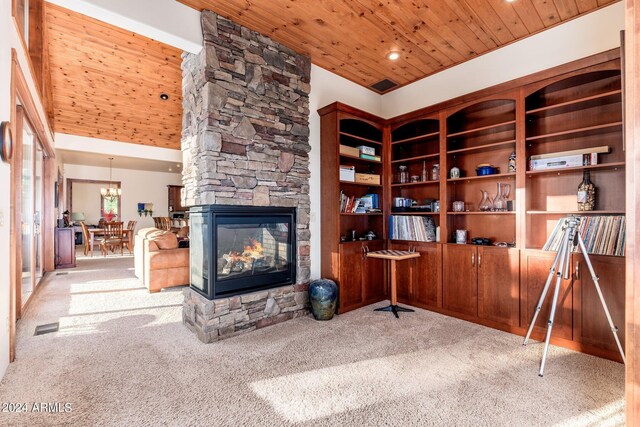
<point x="392" y="257"/>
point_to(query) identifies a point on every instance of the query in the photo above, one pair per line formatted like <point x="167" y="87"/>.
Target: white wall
<point x="327" y="88"/>
<point x="115" y="148"/>
<point x="6" y="25"/>
<point x="593" y="33"/>
<point x="137" y="187"/>
<point x="86" y="199"/>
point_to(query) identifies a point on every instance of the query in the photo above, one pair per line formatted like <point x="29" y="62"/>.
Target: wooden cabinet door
<point x="404" y="275"/>
<point x="65" y="249"/>
<point x="350" y="283"/>
<point x="427" y="276"/>
<point x="374" y="282"/>
<point x="460" y="287"/>
<point x="590" y="323"/>
<point x="534" y="269"/>
<point x="499" y="284"/>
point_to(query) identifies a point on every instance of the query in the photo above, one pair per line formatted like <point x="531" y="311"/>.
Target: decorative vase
<point x="323" y="294"/>
<point x="485" y="204"/>
<point x="454" y="173"/>
<point x="500" y="201"/>
<point x="586" y="193"/>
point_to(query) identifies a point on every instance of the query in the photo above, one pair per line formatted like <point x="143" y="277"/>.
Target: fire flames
<point x="236" y="261"/>
<point x="253" y="251"/>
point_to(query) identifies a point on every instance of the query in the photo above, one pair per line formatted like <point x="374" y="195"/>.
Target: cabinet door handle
<point x="479" y="260"/>
<point x="473" y="260"/>
<point x="577" y="270"/>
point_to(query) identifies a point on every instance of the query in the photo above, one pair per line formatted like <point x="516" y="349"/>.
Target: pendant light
<point x="111" y="192"/>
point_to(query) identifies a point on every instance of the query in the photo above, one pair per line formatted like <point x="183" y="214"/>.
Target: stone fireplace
<point x="245" y="142"/>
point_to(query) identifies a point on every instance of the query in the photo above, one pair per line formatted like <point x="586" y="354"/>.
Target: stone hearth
<point x="213" y="320"/>
<point x="245" y="141"/>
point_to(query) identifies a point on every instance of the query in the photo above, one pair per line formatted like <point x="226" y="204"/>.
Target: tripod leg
<point x="596" y="283"/>
<point x="552" y="271"/>
<point x="554" y="304"/>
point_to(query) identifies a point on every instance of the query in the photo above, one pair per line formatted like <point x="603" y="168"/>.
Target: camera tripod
<point x="560" y="268"/>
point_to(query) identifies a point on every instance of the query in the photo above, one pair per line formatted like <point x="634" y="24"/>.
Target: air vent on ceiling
<point x="383" y="85"/>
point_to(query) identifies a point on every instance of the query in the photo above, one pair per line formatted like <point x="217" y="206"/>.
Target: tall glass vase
<point x="485" y="203"/>
<point x="500" y="201"/>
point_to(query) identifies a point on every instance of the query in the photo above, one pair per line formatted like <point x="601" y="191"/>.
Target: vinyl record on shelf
<point x="6" y="142"/>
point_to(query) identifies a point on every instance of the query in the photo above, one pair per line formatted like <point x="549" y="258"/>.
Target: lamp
<point x="77" y="216"/>
<point x="111" y="192"/>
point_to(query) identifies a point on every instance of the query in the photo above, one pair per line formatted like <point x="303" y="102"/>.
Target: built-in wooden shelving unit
<point x="572" y="107"/>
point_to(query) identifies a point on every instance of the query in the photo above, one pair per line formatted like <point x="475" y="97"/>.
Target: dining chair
<point x="112" y="237"/>
<point x="128" y="240"/>
<point x="87" y="239"/>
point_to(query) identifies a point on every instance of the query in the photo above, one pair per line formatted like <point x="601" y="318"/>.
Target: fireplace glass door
<point x="240" y="249"/>
<point x="251" y="251"/>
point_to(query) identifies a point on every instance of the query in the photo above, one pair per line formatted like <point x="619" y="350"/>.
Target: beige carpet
<point x="123" y="358"/>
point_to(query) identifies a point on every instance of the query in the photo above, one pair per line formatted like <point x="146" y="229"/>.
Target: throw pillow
<point x="164" y="239"/>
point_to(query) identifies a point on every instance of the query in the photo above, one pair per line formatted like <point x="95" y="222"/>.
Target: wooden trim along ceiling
<point x="352" y="37"/>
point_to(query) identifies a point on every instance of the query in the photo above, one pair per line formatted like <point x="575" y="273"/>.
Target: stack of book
<point x="602" y="235"/>
<point x="364" y="204"/>
<point x="416" y="228"/>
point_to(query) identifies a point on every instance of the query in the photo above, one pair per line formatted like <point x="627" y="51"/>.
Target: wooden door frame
<point x="69" y="191"/>
<point x="632" y="143"/>
<point x="29" y="101"/>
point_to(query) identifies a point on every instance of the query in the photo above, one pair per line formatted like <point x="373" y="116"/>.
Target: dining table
<point x="126" y="234"/>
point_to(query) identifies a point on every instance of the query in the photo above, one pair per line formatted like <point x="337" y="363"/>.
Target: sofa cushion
<point x="144" y="232"/>
<point x="172" y="258"/>
<point x="165" y="240"/>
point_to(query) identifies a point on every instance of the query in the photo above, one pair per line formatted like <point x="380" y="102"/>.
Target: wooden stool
<point x="393" y="256"/>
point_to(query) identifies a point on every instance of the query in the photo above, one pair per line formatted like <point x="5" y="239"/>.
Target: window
<point x="109" y="205"/>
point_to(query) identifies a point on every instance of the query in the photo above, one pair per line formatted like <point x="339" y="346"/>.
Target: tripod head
<point x="571" y="226"/>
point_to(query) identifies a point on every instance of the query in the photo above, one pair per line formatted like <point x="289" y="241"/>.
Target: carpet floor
<point x="123" y="358"/>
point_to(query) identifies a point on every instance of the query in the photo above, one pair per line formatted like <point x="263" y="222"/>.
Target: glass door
<point x="37" y="217"/>
<point x="31" y="206"/>
<point x="27" y="211"/>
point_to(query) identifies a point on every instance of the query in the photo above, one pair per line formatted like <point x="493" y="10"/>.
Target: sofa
<point x="159" y="262"/>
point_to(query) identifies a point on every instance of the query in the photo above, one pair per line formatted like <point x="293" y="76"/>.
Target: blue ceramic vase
<point x="323" y="294"/>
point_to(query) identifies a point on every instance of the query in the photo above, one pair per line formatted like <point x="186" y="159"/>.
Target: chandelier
<point x="111" y="192"/>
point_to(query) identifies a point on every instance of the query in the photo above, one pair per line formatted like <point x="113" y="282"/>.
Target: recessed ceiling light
<point x="510" y="1"/>
<point x="170" y="170"/>
<point x="164" y="96"/>
<point x="392" y="56"/>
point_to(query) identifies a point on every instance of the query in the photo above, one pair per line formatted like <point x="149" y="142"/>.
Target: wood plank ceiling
<point x="107" y="81"/>
<point x="352" y="37"/>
